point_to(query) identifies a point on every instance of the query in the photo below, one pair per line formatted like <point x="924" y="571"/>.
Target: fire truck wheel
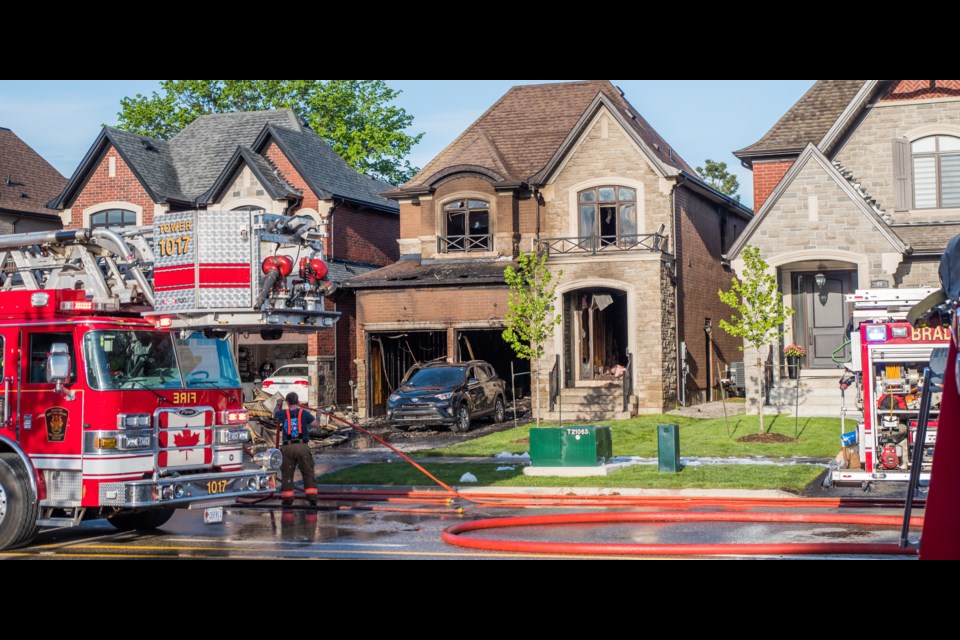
<point x="18" y="513"/>
<point x="141" y="520"/>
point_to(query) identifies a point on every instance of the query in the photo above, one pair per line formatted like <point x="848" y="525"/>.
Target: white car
<point x="289" y="377"/>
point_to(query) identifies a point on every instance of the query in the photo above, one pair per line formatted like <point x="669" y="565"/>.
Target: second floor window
<point x="468" y="226"/>
<point x="608" y="213"/>
<point x="936" y="172"/>
<point x="113" y="218"/>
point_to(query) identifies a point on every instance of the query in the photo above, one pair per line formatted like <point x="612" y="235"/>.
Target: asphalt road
<point x="369" y="530"/>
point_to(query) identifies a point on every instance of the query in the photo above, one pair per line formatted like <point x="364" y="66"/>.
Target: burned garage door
<point x="391" y="355"/>
<point x="488" y="344"/>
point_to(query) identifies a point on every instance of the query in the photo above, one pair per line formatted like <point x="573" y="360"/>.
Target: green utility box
<point x="668" y="447"/>
<point x="585" y="445"/>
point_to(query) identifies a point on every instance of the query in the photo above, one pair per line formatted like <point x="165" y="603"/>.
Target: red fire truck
<point x="120" y="392"/>
<point x="889" y="356"/>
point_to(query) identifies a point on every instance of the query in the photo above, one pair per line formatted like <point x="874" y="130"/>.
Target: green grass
<point x="818" y="437"/>
<point x="791" y="478"/>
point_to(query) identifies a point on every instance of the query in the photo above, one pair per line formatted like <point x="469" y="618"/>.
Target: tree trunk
<point x="763" y="378"/>
<point x="536" y="387"/>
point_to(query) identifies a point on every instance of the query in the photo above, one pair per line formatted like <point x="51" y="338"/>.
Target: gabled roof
<point x="809" y="120"/>
<point x="522" y="131"/>
<point x="27" y="181"/>
<point x="192" y="167"/>
<point x="327" y="174"/>
<point x="812" y="154"/>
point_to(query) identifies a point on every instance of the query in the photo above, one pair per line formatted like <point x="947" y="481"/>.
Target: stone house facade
<point x="632" y="232"/>
<point x="266" y="160"/>
<point x="857" y="186"/>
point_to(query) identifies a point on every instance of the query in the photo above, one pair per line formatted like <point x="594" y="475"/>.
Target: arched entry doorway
<point x="821" y="314"/>
<point x="595" y="335"/>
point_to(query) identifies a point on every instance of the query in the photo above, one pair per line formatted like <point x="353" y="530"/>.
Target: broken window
<point x="608" y="215"/>
<point x="467" y="226"/>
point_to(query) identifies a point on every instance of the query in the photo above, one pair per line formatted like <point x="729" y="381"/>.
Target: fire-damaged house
<point x="573" y="170"/>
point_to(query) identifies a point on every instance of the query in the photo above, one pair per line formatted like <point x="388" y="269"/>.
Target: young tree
<point x="530" y="316"/>
<point x="716" y="175"/>
<point x="759" y="303"/>
<point x="354" y="117"/>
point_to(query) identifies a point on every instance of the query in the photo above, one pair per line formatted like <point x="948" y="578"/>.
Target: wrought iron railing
<point x="593" y="245"/>
<point x="450" y="244"/>
<point x="628" y="382"/>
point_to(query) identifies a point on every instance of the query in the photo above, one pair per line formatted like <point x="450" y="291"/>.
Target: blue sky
<point x="700" y="118"/>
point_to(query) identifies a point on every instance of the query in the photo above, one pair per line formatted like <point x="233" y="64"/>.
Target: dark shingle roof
<point x="207" y="143"/>
<point x="927" y="238"/>
<point x="414" y="273"/>
<point x="151" y="160"/>
<point x="806" y="121"/>
<point x="521" y="132"/>
<point x="341" y="270"/>
<point x="27" y="181"/>
<point x="327" y="173"/>
<point x="189" y="165"/>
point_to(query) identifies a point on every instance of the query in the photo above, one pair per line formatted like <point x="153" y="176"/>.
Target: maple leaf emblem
<point x="186" y="438"/>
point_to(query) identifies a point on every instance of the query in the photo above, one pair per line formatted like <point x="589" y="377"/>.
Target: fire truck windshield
<point x="207" y="362"/>
<point x="131" y="359"/>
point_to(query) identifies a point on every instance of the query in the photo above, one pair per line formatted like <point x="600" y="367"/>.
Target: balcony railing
<point x="594" y="245"/>
<point x="450" y="244"/>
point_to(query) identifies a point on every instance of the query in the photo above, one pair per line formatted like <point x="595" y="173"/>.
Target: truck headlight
<point x="394" y="398"/>
<point x="133" y="421"/>
<point x="135" y="441"/>
<point x="877" y="333"/>
<point x="445" y="396"/>
<point x="234" y="436"/>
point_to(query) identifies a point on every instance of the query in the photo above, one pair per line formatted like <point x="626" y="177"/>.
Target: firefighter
<point x="294" y="433"/>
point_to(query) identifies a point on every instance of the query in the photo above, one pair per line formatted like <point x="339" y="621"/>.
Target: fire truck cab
<point x="120" y="396"/>
<point x="889" y="356"/>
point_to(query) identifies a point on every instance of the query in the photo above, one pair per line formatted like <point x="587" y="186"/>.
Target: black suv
<point x="450" y="394"/>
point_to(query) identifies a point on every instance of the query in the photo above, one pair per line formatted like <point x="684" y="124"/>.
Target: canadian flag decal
<point x="185" y="447"/>
<point x="186" y="439"/>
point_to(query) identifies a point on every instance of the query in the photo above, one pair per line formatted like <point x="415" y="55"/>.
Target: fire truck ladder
<point x="101" y="261"/>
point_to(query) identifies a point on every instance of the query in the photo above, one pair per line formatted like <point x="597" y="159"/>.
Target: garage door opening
<point x="391" y="355"/>
<point x="489" y="345"/>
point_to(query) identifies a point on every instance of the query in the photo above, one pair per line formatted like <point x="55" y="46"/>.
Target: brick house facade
<point x="864" y="199"/>
<point x="266" y="160"/>
<point x="632" y="232"/>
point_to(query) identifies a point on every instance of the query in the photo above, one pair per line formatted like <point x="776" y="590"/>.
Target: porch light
<point x="820" y="280"/>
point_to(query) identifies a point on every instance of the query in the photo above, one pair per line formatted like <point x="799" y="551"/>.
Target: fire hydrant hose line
<point x="732" y="509"/>
<point x="454" y="535"/>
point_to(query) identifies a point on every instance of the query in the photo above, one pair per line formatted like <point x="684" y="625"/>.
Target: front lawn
<point x="792" y="478"/>
<point x="818" y="438"/>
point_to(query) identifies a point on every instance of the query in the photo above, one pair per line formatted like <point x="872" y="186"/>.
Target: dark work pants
<point x="297" y="455"/>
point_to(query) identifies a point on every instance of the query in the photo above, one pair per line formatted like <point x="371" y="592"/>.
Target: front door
<point x="822" y="316"/>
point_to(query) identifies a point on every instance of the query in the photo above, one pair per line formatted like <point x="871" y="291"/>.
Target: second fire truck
<point x="889" y="356"/>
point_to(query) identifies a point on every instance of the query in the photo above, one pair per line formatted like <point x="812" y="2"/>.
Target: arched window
<point x="608" y="214"/>
<point x="113" y="218"/>
<point x="467" y="226"/>
<point x="936" y="172"/>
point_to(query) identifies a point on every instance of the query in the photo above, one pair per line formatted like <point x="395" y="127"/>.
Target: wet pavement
<point x="354" y="528"/>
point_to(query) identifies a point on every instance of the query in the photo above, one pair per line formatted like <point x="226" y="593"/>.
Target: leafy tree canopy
<point x="354" y="117"/>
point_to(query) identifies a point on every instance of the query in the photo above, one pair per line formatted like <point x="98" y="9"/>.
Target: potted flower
<point x="793" y="353"/>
